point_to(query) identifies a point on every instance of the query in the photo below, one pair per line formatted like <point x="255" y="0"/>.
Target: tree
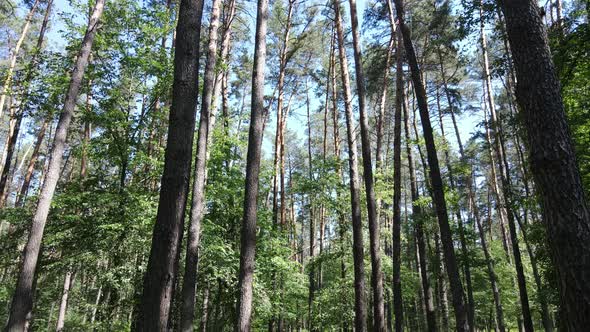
<point x="248" y="231"/>
<point x="360" y="306"/>
<point x="22" y="300"/>
<point x="552" y="158"/>
<point x="435" y="177"/>
<point x="160" y="277"/>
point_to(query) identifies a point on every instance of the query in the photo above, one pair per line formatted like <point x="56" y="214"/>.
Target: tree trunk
<point x="419" y="231"/>
<point x="248" y="232"/>
<point x="553" y="160"/>
<point x="22" y="302"/>
<point x="14" y="57"/>
<point x="32" y="162"/>
<point x="160" y="277"/>
<point x="461" y="321"/>
<point x="197" y="211"/>
<point x="397" y="188"/>
<point x="204" y="309"/>
<point x="374" y="242"/>
<point x="360" y="306"/>
<point x="63" y="306"/>
<point x="506" y="185"/>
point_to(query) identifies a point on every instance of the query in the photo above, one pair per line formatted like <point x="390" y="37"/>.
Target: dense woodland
<point x="294" y="165"/>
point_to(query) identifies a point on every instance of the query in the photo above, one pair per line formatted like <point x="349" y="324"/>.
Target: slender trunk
<point x="32" y="162"/>
<point x="7" y="81"/>
<point x="17" y="118"/>
<point x="360" y="306"/>
<point x="397" y="188"/>
<point x="248" y="232"/>
<point x="63" y="306"/>
<point x="477" y="216"/>
<point x="419" y="231"/>
<point x="506" y="185"/>
<point x="374" y="242"/>
<point x="197" y="211"/>
<point x="22" y="303"/>
<point x="204" y="310"/>
<point x="460" y="226"/>
<point x="461" y="310"/>
<point x="312" y="231"/>
<point x="160" y="277"/>
<point x="281" y="121"/>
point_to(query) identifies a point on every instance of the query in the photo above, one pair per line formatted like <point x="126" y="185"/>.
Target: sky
<point x="296" y="123"/>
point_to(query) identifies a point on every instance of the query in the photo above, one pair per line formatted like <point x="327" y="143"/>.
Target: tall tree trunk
<point x="160" y="277"/>
<point x="476" y="214"/>
<point x="553" y="160"/>
<point x="461" y="320"/>
<point x="419" y="231"/>
<point x="22" y="302"/>
<point x="204" y="309"/>
<point x="248" y="232"/>
<point x="16" y="120"/>
<point x="63" y="306"/>
<point x="506" y="185"/>
<point x="312" y="231"/>
<point x="460" y="226"/>
<point x="397" y="187"/>
<point x="189" y="286"/>
<point x="32" y="162"/>
<point x="360" y="306"/>
<point x="374" y="242"/>
<point x="281" y="121"/>
<point x="24" y="103"/>
<point x="7" y="81"/>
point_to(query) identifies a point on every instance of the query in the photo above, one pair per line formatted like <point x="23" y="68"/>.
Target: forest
<point x="295" y="165"/>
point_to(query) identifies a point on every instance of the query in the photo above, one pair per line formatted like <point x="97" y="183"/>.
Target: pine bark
<point x="197" y="211"/>
<point x="160" y="277"/>
<point x="360" y="306"/>
<point x="461" y="321"/>
<point x="22" y="302"/>
<point x="397" y="188"/>
<point x="374" y="241"/>
<point x="248" y="231"/>
<point x="552" y="158"/>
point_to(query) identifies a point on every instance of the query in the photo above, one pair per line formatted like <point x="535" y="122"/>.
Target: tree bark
<point x="374" y="241"/>
<point x="22" y="302"/>
<point x="14" y="57"/>
<point x="397" y="187"/>
<point x="160" y="277"/>
<point x="553" y="161"/>
<point x="63" y="306"/>
<point x="197" y="211"/>
<point x="419" y="231"/>
<point x="248" y="232"/>
<point x="461" y="321"/>
<point x="360" y="306"/>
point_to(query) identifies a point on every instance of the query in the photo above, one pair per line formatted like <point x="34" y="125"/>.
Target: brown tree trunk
<point x="248" y="232"/>
<point x="419" y="231"/>
<point x="22" y="302"/>
<point x="461" y="320"/>
<point x="160" y="277"/>
<point x="281" y="122"/>
<point x="32" y="162"/>
<point x="397" y="187"/>
<point x="197" y="211"/>
<point x="360" y="306"/>
<point x="7" y="81"/>
<point x="506" y="185"/>
<point x="553" y="161"/>
<point x="374" y="241"/>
